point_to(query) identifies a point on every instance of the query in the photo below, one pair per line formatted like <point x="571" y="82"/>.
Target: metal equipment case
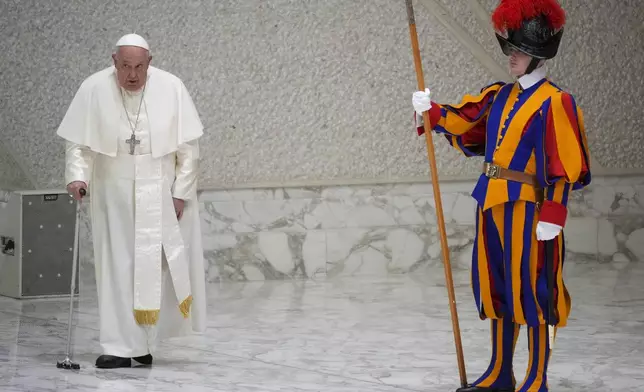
<point x="36" y="244"/>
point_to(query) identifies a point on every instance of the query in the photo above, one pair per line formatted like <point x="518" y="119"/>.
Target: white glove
<point x="421" y="101"/>
<point x="547" y="231"/>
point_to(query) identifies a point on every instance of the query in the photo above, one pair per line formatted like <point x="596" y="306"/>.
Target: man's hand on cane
<point x="74" y="189"/>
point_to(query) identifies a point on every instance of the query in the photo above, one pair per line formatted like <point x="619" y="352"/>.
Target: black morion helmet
<point x="534" y="27"/>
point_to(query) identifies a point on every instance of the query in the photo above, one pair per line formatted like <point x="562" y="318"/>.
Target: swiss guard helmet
<point x="533" y="27"/>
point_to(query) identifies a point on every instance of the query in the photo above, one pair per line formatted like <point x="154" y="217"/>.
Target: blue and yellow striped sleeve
<point x="464" y="124"/>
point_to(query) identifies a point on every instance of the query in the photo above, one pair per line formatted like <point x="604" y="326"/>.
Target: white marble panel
<point x="361" y="251"/>
<point x="266" y="255"/>
<point x="311" y="232"/>
<point x="609" y="196"/>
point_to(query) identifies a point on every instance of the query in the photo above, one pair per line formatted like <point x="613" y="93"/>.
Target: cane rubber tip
<point x="67" y="364"/>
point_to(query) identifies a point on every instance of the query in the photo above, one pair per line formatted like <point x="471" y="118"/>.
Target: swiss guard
<point x="532" y="137"/>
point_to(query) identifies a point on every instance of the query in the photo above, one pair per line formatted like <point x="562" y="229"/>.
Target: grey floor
<point x="366" y="334"/>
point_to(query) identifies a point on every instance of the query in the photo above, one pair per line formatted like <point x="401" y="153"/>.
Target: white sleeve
<point x="79" y="161"/>
<point x="187" y="169"/>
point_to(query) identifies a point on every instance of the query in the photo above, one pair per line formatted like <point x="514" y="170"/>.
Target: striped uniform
<point x="538" y="131"/>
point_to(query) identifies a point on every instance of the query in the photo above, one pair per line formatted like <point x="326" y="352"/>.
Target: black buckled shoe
<point x="112" y="362"/>
<point x="144" y="360"/>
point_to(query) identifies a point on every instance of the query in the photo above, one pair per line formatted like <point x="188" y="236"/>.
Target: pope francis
<point x="131" y="135"/>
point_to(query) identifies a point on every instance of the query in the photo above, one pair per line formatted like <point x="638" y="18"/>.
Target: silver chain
<point x="133" y="128"/>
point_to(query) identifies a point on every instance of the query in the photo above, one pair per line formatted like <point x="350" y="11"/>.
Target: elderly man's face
<point x="132" y="64"/>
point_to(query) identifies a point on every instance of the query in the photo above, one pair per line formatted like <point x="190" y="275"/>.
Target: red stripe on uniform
<point x="555" y="167"/>
<point x="571" y="113"/>
<point x="475" y="136"/>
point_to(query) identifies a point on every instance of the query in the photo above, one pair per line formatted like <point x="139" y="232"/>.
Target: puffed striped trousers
<point x="517" y="283"/>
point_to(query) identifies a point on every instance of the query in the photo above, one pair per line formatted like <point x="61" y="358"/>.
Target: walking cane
<point x="68" y="363"/>
<point x="437" y="198"/>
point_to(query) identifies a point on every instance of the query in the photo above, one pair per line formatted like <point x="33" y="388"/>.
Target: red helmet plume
<point x="510" y="14"/>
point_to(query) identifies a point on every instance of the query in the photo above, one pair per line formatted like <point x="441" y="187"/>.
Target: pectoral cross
<point x="132" y="141"/>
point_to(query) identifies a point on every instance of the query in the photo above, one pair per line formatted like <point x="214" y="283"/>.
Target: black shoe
<point x="112" y="362"/>
<point x="144" y="360"/>
<point x="471" y="388"/>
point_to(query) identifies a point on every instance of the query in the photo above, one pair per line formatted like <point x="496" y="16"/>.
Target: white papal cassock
<point x="149" y="265"/>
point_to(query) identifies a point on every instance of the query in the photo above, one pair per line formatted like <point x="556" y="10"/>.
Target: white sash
<point x="157" y="235"/>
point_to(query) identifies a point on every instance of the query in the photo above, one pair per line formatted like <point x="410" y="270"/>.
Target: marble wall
<point x="326" y="232"/>
<point x="390" y="229"/>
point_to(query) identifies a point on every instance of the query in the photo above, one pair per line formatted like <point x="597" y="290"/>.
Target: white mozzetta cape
<point x="95" y="113"/>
